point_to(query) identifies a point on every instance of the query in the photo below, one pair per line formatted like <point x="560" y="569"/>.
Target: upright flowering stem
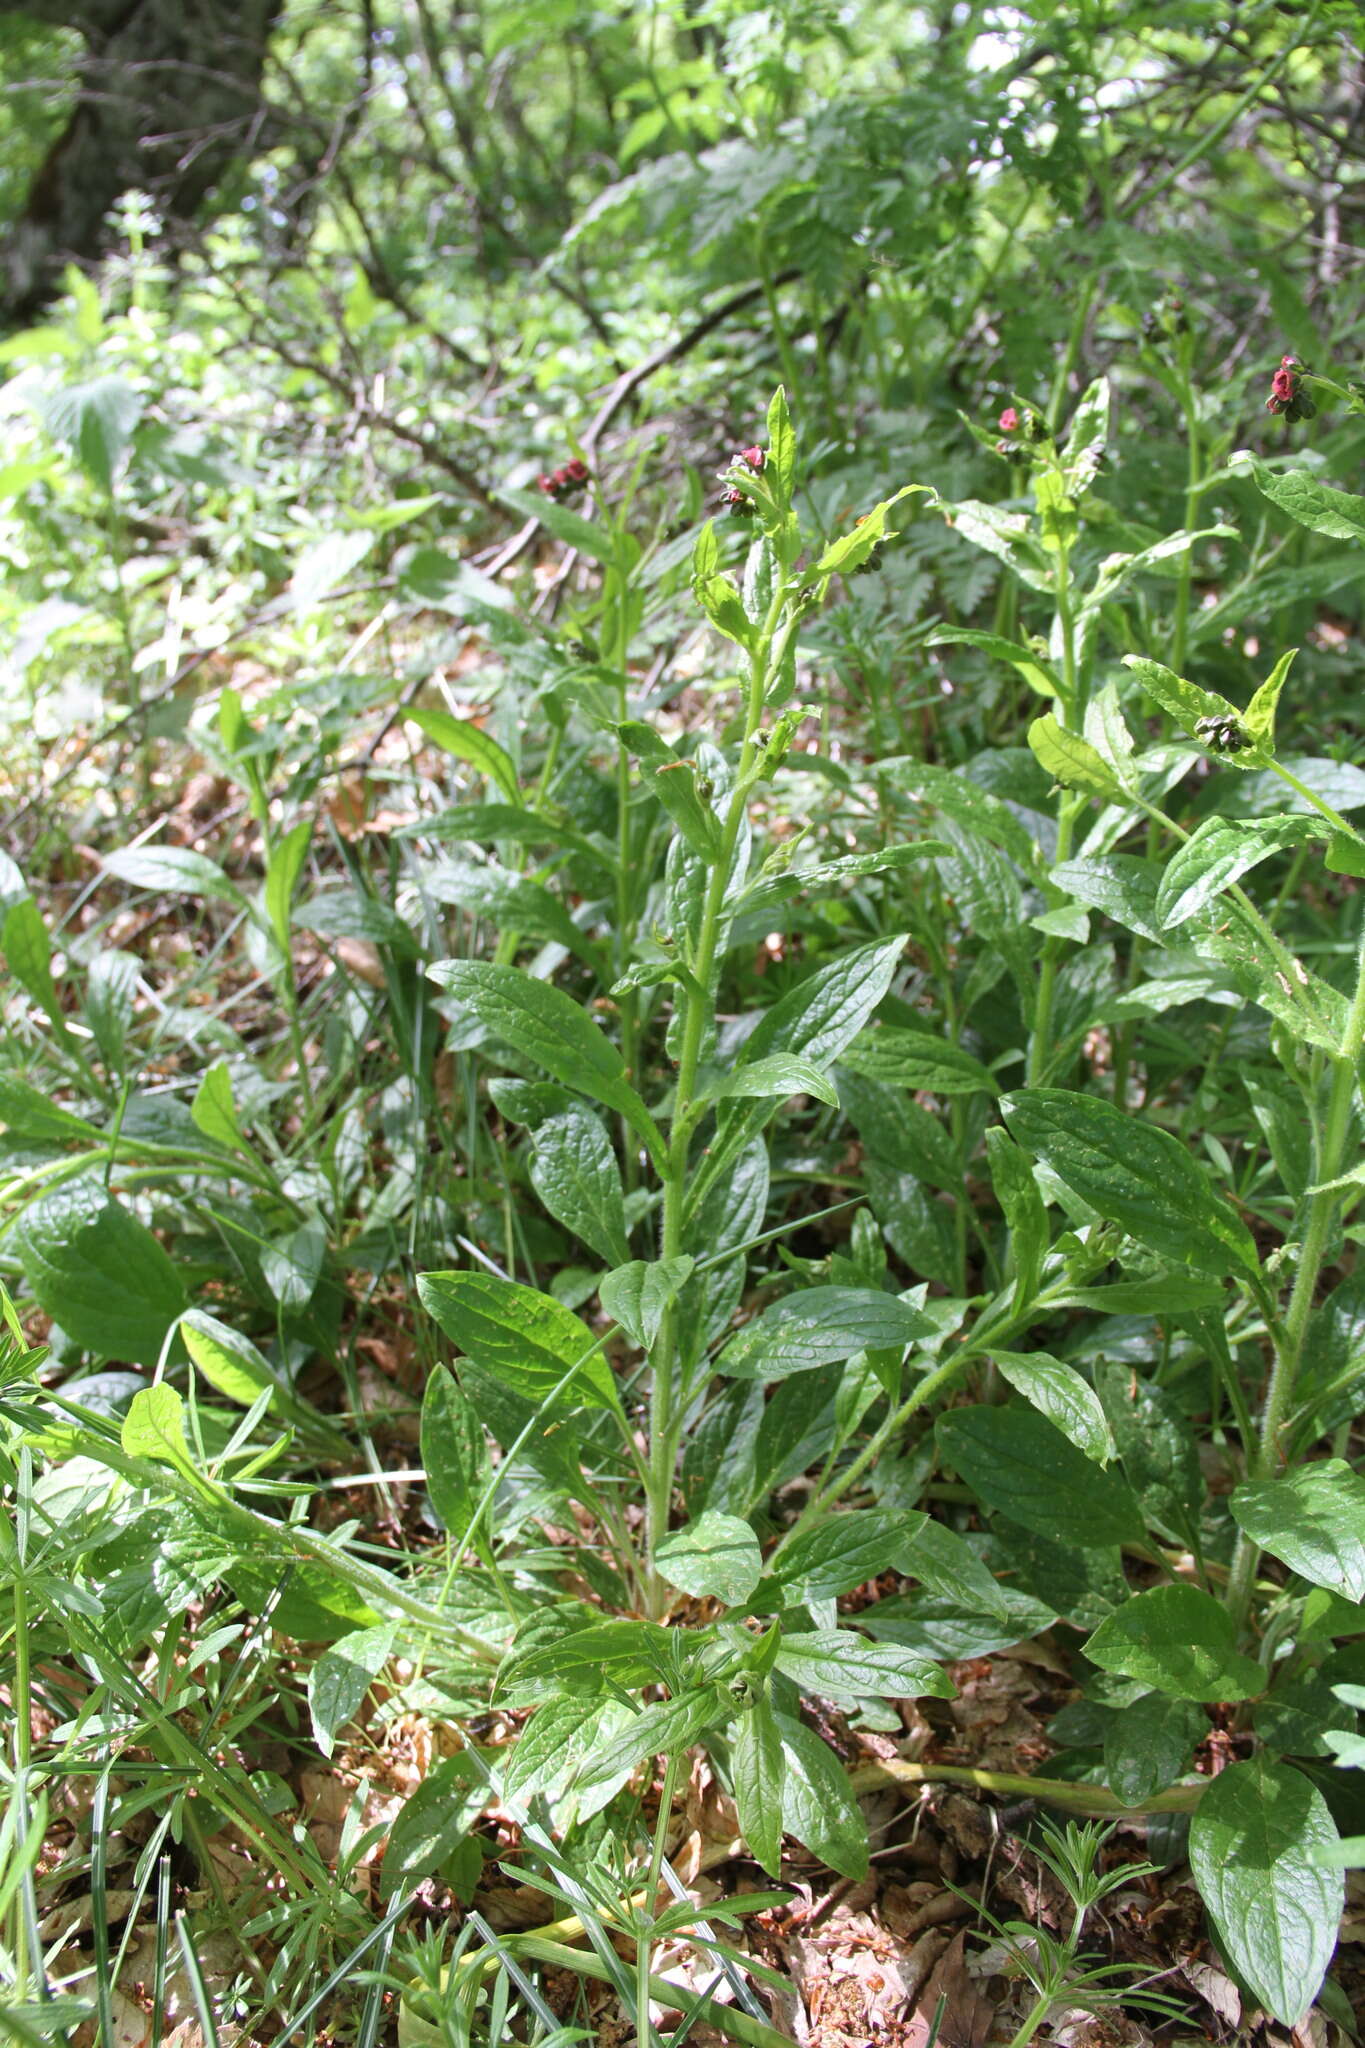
<point x="1323" y="1209"/>
<point x="698" y="1012"/>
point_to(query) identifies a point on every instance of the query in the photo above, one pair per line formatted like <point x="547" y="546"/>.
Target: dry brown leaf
<point x="967" y="2013"/>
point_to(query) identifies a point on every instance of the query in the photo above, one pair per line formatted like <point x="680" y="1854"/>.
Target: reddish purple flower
<point x="1009" y="420"/>
<point x="1287" y="394"/>
<point x="755" y="457"/>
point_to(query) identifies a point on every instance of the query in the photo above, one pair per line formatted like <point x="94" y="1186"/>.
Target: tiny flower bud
<point x="755" y="457"/>
<point x="1009" y="420"/>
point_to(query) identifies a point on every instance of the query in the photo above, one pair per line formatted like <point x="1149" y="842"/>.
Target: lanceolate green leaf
<point x="508" y="901"/>
<point x="176" y="870"/>
<point x="1218" y="853"/>
<point x="659" y="1730"/>
<point x="916" y="1060"/>
<point x="818" y="1327"/>
<point x="341" y="1677"/>
<point x="454" y="1453"/>
<point x="758" y="1768"/>
<point x="469" y="742"/>
<point x="527" y="1340"/>
<point x="1318" y="506"/>
<point x="1134" y="1174"/>
<point x="1058" y="1391"/>
<point x="837" y="1663"/>
<point x="818" y="1806"/>
<point x="550" y="1028"/>
<point x="1274" y="1908"/>
<point x="574" y="1171"/>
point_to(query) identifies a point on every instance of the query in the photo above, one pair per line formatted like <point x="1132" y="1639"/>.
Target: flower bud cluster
<point x="1021" y="428"/>
<point x="565" y="482"/>
<point x="1287" y="394"/>
<point x="732" y="497"/>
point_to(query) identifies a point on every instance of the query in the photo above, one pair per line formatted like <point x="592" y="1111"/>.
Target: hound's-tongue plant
<point x="1086" y="1474"/>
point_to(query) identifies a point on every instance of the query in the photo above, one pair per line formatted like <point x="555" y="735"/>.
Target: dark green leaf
<point x="574" y="1171"/>
<point x="837" y="1663"/>
<point x="1134" y="1174"/>
<point x="757" y="1769"/>
<point x="454" y="1453"/>
<point x="1019" y="1465"/>
<point x="552" y="1030"/>
<point x="99" y="1272"/>
<point x="818" y="1327"/>
<point x="1180" y="1641"/>
<point x="529" y="1341"/>
<point x="818" y="1806"/>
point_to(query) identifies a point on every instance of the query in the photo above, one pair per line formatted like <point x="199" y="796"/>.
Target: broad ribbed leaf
<point x="1274" y="1908"/>
<point x="1180" y="1641"/>
<point x="574" y="1171"/>
<point x="1134" y="1174"/>
<point x="98" y="1272"/>
<point x="1313" y="1520"/>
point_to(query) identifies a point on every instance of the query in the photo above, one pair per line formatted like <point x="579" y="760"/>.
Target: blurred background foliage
<point x="312" y="332"/>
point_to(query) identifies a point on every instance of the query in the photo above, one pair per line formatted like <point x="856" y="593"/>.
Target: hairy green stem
<point x="1323" y="1208"/>
<point x="699" y="1003"/>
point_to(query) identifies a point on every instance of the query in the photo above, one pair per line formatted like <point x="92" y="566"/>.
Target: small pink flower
<point x="1009" y="420"/>
<point x="755" y="457"/>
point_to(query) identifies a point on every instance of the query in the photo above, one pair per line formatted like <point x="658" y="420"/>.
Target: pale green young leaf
<point x="1218" y="853"/>
<point x="717" y="1556"/>
<point x="1058" y="1391"/>
<point x="1259" y="716"/>
<point x="781" y="453"/>
<point x="1071" y="760"/>
<point x="283" y="869"/>
<point x="214" y="1110"/>
<point x="227" y="1360"/>
<point x="467" y="741"/>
